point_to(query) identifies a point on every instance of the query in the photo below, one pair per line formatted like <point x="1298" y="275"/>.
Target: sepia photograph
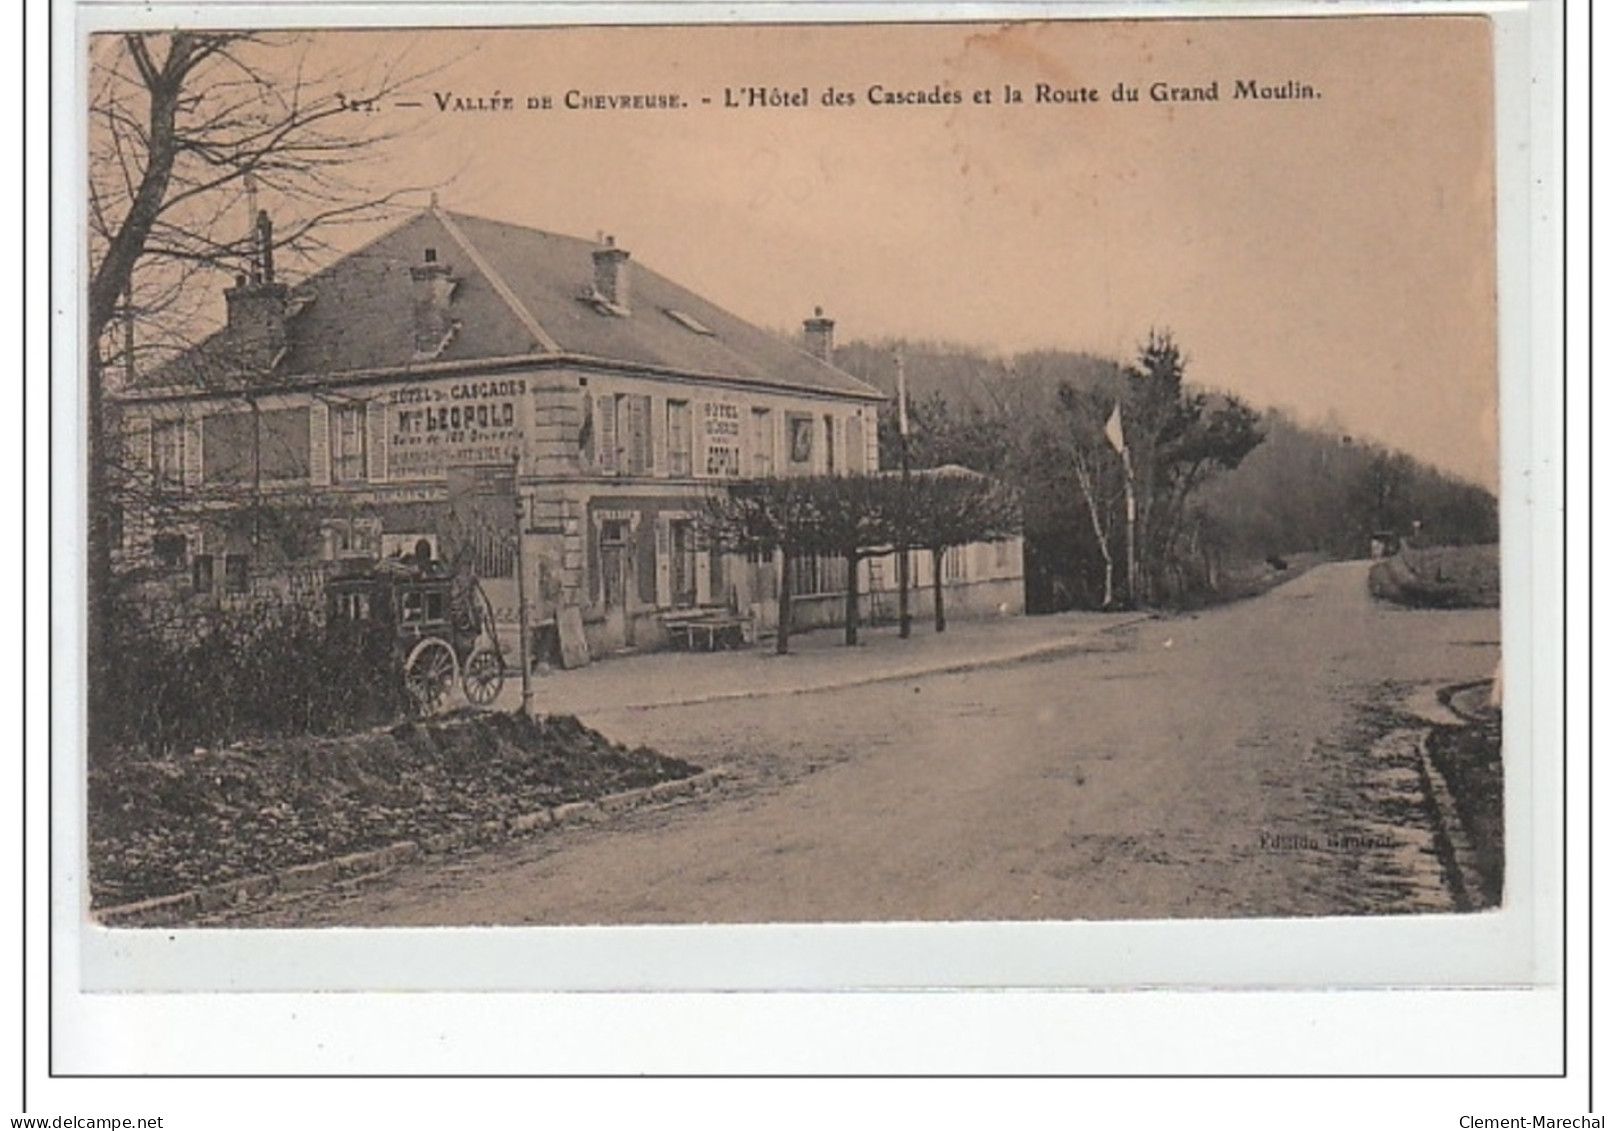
<point x="793" y="474"/>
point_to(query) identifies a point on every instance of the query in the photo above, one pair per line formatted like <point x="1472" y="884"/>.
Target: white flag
<point x="1113" y="429"/>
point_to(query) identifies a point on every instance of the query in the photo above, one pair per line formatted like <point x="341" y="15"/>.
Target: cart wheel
<point x="429" y="674"/>
<point x="484" y="675"/>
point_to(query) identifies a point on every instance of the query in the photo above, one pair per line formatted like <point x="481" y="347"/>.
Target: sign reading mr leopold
<point x="432" y="427"/>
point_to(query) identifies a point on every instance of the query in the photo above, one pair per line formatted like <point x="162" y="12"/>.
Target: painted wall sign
<point x="432" y="427"/>
<point x="720" y="440"/>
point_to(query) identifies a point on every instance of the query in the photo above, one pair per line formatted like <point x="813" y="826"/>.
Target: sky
<point x="1331" y="255"/>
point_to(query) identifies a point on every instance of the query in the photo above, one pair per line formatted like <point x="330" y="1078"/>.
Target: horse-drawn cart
<point x="442" y="623"/>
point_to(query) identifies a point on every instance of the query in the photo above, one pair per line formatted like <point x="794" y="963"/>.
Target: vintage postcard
<point x="1016" y="475"/>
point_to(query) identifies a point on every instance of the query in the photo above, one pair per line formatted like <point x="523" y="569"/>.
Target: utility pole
<point x="257" y="476"/>
<point x="903" y="625"/>
<point x="521" y="588"/>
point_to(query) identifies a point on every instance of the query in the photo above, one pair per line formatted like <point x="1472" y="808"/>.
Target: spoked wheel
<point x="429" y="674"/>
<point x="484" y="675"/>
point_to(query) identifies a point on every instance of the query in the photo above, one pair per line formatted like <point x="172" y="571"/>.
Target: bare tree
<point x="189" y="133"/>
<point x="1095" y="464"/>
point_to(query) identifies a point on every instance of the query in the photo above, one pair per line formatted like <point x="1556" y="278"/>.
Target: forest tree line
<point x="1220" y="489"/>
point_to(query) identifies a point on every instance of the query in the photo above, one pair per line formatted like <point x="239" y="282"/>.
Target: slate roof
<point x="519" y="293"/>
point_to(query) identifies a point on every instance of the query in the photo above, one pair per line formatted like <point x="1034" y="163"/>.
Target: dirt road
<point x="1240" y="762"/>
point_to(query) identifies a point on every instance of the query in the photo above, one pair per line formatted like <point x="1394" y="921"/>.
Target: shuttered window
<point x="678" y="438"/>
<point x="606" y="430"/>
<point x="814" y="575"/>
<point x="284" y="443"/>
<point x="857" y="455"/>
<point x="681" y="534"/>
<point x="624" y="446"/>
<point x="376" y="440"/>
<point x="636" y="445"/>
<point x="762" y="443"/>
<point x="280" y="452"/>
<point x="349" y="458"/>
<point x="168" y="451"/>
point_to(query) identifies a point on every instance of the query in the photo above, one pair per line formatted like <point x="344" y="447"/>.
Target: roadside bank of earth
<point x="161" y="826"/>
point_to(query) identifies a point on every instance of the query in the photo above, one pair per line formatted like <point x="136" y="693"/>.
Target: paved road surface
<point x="1240" y="762"/>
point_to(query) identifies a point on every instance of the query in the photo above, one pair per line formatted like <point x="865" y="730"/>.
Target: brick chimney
<point x="819" y="336"/>
<point x="256" y="307"/>
<point x="432" y="287"/>
<point x="611" y="274"/>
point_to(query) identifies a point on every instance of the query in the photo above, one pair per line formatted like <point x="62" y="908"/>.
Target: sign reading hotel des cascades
<point x="432" y="427"/>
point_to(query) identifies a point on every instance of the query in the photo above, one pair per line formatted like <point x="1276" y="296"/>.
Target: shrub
<point x="264" y="671"/>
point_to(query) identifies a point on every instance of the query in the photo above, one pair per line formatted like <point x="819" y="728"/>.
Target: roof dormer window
<point x="691" y="324"/>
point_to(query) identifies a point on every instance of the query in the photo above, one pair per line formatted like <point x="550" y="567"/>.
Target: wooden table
<point x="709" y="631"/>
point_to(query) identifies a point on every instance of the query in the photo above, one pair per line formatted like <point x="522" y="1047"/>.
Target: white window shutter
<point x="857" y="454"/>
<point x="843" y="453"/>
<point x="659" y="462"/>
<point x="605" y="431"/>
<point x="664" y="564"/>
<point x="625" y="435"/>
<point x="639" y="460"/>
<point x="319" y="443"/>
<point x="703" y="577"/>
<point x="193" y="452"/>
<point x="376" y="440"/>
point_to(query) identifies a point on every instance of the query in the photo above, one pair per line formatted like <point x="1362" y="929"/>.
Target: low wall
<point x="1004" y="597"/>
<point x="963" y="600"/>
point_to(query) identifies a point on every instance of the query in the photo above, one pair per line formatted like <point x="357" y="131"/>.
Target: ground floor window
<point x="681" y="563"/>
<point x="351" y="538"/>
<point x="813" y="575"/>
<point x="608" y="582"/>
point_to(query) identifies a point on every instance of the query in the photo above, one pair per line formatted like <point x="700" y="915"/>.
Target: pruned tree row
<point x="855" y="517"/>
